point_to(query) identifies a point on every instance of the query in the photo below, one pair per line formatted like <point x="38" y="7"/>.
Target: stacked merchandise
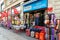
<point x="38" y="32"/>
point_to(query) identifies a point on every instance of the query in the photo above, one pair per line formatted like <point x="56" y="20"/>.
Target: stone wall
<point x="56" y="7"/>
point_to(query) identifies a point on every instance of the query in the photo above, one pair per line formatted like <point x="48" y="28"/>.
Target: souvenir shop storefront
<point x="34" y="13"/>
<point x="13" y="16"/>
<point x="16" y="14"/>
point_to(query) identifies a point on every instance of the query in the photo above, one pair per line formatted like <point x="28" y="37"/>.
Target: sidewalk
<point x="6" y="34"/>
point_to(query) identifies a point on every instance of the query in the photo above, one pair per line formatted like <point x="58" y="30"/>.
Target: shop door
<point x="39" y="18"/>
<point x="32" y="22"/>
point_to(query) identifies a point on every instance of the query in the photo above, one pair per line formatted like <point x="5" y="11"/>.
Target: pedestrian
<point x="9" y="25"/>
<point x="2" y="23"/>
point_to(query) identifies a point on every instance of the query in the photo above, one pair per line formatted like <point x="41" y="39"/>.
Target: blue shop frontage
<point x="34" y="13"/>
<point x="34" y="16"/>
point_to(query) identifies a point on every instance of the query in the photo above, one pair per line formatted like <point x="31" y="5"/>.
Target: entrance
<point x="35" y="18"/>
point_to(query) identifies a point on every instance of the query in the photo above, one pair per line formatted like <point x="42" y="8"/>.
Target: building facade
<point x="55" y="4"/>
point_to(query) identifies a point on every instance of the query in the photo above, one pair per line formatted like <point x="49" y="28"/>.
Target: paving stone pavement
<point x="6" y="34"/>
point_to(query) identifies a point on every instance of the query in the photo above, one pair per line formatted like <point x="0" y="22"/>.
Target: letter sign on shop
<point x="35" y="5"/>
<point x="28" y="8"/>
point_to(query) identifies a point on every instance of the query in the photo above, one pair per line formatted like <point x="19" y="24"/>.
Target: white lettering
<point x="27" y="8"/>
<point x="29" y="2"/>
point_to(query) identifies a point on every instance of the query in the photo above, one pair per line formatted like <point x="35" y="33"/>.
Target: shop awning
<point x="39" y="4"/>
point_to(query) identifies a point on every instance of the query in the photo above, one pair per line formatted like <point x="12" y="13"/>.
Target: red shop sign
<point x="50" y="9"/>
<point x="15" y="10"/>
<point x="5" y="13"/>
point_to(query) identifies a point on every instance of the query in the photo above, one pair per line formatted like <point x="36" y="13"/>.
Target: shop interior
<point x="35" y="18"/>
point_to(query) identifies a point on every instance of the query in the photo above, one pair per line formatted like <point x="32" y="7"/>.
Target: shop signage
<point x="35" y="5"/>
<point x="29" y="2"/>
<point x="28" y="7"/>
<point x="50" y="9"/>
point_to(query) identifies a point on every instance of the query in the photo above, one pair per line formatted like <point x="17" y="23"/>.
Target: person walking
<point x="9" y="25"/>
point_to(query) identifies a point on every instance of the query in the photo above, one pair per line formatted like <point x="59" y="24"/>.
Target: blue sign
<point x="36" y="5"/>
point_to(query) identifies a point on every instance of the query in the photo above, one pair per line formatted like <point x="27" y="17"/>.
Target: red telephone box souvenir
<point x="28" y="32"/>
